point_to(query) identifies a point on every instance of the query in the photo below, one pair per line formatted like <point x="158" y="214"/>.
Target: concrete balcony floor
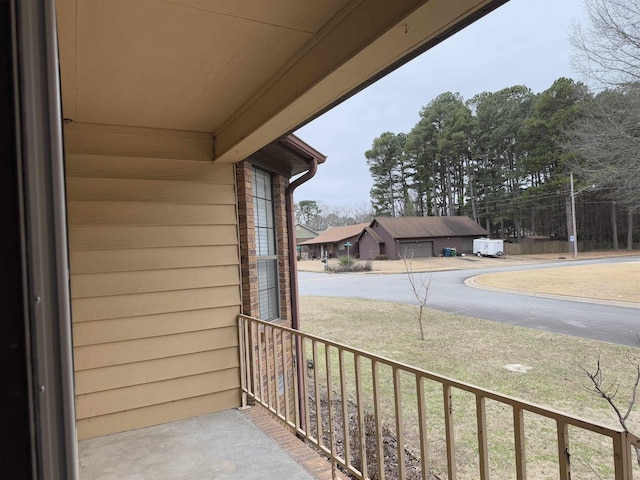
<point x="227" y="445"/>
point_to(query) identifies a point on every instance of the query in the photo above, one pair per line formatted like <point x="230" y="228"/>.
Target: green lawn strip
<point x="476" y="351"/>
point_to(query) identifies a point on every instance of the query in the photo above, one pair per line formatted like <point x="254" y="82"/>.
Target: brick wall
<point x="280" y="183"/>
<point x="272" y="375"/>
<point x="244" y="179"/>
<point x="248" y="266"/>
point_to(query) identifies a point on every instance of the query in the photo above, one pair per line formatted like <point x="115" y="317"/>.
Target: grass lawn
<point x="476" y="351"/>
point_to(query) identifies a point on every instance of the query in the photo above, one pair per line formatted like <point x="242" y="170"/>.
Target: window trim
<point x="272" y="257"/>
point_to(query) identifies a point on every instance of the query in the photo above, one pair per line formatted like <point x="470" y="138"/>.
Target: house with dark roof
<point x="417" y="236"/>
<point x="331" y="242"/>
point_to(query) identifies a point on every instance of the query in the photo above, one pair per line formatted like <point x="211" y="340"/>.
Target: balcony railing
<point x="374" y="417"/>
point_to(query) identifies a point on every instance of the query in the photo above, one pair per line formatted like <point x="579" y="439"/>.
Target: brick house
<point x="417" y="236"/>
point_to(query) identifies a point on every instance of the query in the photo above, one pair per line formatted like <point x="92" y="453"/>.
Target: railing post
<point x="301" y="390"/>
<point x="304" y="395"/>
<point x="397" y="390"/>
<point x="285" y="376"/>
<point x="243" y="359"/>
<point x="317" y="393"/>
<point x="422" y="425"/>
<point x="361" y="421"/>
<point x="259" y="353"/>
<point x="276" y="371"/>
<point x="332" y="427"/>
<point x="518" y="432"/>
<point x="267" y="358"/>
<point x="564" y="457"/>
<point x="448" y="424"/>
<point x="345" y="413"/>
<point x="298" y="381"/>
<point x="483" y="450"/>
<point x="622" y="456"/>
<point x="378" y="416"/>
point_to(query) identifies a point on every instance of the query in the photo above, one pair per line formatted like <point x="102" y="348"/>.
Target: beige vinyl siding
<point x="155" y="281"/>
<point x="154" y="414"/>
<point x="129" y="328"/>
<point x="118" y="376"/>
<point x="96" y="261"/>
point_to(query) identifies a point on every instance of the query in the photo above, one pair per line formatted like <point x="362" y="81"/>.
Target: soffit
<point x="246" y="71"/>
<point x="176" y="65"/>
<point x="371" y="39"/>
<point x="304" y="15"/>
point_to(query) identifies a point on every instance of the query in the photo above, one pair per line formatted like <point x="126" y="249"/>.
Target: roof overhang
<point x="248" y="71"/>
<point x="289" y="156"/>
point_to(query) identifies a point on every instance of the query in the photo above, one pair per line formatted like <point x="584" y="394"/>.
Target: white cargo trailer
<point x="488" y="248"/>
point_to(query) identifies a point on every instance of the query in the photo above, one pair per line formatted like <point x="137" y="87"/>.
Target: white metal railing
<point x="342" y="405"/>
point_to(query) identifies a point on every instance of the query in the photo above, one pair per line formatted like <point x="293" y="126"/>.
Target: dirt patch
<point x="413" y="467"/>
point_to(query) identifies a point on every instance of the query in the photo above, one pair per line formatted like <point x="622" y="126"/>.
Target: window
<point x="266" y="254"/>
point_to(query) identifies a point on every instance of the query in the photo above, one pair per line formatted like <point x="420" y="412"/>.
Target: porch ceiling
<point x="246" y="71"/>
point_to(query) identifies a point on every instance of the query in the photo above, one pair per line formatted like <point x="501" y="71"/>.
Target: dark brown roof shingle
<point x="419" y="227"/>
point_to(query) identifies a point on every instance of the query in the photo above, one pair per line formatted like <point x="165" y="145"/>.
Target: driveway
<point x="449" y="293"/>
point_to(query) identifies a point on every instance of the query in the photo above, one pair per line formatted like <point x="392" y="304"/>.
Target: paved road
<point x="449" y="293"/>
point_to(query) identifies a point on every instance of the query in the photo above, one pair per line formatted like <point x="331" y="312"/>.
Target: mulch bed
<point x="413" y="467"/>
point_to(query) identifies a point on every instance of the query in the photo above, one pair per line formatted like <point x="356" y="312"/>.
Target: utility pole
<point x="573" y="238"/>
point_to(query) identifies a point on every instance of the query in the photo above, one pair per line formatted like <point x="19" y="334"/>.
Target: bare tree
<point x="607" y="141"/>
<point x="607" y="49"/>
<point x="319" y="216"/>
<point x="362" y="212"/>
<point x="607" y="136"/>
<point x="419" y="287"/>
<point x="609" y="392"/>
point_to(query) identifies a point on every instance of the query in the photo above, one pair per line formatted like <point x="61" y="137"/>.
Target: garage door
<point x="416" y="249"/>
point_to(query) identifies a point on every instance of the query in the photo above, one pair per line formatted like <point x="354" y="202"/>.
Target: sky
<point x="524" y="42"/>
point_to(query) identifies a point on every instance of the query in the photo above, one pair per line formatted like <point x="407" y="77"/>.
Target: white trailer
<point x="486" y="247"/>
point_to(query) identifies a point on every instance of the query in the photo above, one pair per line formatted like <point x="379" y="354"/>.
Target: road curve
<point x="449" y="293"/>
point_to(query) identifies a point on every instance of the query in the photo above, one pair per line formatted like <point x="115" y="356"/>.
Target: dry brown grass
<point x="476" y="351"/>
<point x="614" y="282"/>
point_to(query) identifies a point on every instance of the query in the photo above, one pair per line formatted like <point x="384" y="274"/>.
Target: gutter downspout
<point x="293" y="275"/>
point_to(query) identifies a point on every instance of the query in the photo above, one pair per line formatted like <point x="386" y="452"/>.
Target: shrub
<point x="382" y="257"/>
<point x="352" y="266"/>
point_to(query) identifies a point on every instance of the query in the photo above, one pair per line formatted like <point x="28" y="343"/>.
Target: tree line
<point x="505" y="158"/>
<point x="492" y="157"/>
